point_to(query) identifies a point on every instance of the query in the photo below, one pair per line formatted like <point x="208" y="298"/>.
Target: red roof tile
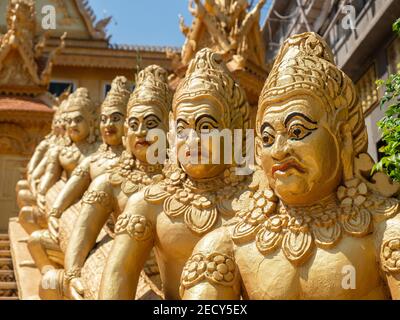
<point x="21" y="104"/>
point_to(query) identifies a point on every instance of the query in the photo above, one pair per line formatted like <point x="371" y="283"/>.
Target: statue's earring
<point x="347" y="152"/>
<point x="258" y="150"/>
<point x="91" y="138"/>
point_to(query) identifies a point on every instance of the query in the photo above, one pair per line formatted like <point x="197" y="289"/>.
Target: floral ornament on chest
<point x="299" y="231"/>
<point x="133" y="175"/>
<point x="200" y="202"/>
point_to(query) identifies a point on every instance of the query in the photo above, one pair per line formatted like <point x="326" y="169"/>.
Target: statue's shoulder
<point x="217" y="241"/>
<point x="44" y="144"/>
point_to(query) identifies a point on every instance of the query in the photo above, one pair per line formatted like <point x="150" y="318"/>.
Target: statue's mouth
<point x="74" y="131"/>
<point x="142" y="144"/>
<point x="110" y="131"/>
<point x="202" y="154"/>
<point x="287" y="165"/>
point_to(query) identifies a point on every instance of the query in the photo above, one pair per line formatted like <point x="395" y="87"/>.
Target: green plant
<point x="390" y="124"/>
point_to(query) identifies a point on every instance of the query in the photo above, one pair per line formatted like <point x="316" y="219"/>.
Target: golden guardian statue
<point x="106" y="198"/>
<point x="323" y="227"/>
<point x="195" y="198"/>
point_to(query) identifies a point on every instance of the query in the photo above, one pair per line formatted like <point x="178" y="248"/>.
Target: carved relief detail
<point x="216" y="268"/>
<point x="99" y="197"/>
<point x="137" y="227"/>
<point x="390" y="255"/>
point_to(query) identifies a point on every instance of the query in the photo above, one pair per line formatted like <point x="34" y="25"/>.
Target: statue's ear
<point x="258" y="146"/>
<point x="347" y="151"/>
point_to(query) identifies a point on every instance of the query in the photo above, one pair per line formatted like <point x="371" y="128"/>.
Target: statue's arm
<point x="74" y="188"/>
<point x="132" y="245"/>
<point x="388" y="240"/>
<point x="37" y="174"/>
<point x="97" y="204"/>
<point x="37" y="156"/>
<point x="212" y="273"/>
<point x="52" y="174"/>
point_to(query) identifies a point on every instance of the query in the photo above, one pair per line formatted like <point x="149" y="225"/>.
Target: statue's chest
<point x="174" y="239"/>
<point x="70" y="159"/>
<point x="69" y="164"/>
<point x="100" y="166"/>
<point x="348" y="271"/>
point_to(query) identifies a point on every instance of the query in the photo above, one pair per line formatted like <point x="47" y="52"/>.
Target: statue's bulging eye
<point x="151" y="124"/>
<point x="299" y="132"/>
<point x="268" y="139"/>
<point x="180" y="131"/>
<point x="133" y="125"/>
<point x="116" y="118"/>
<point x="78" y="119"/>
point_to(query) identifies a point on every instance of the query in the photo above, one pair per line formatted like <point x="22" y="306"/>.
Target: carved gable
<point x="72" y="16"/>
<point x="23" y="68"/>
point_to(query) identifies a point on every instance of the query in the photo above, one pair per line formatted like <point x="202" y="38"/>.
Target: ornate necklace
<point x="133" y="175"/>
<point x="199" y="201"/>
<point x="72" y="151"/>
<point x="108" y="152"/>
<point x="299" y="231"/>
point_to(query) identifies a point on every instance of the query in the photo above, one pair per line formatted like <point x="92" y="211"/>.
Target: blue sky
<point x="145" y="22"/>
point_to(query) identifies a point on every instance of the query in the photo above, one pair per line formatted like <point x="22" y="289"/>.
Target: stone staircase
<point x="8" y="285"/>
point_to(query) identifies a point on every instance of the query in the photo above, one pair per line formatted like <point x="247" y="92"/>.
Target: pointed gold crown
<point x="152" y="88"/>
<point x="80" y="101"/>
<point x="305" y="65"/>
<point x="118" y="96"/>
<point x="207" y="76"/>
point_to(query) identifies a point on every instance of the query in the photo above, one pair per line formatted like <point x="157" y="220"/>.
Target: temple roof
<point x="73" y="16"/>
<point x="23" y="104"/>
<point x="23" y="67"/>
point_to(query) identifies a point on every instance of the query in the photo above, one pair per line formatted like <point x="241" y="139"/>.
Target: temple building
<point x="360" y="35"/>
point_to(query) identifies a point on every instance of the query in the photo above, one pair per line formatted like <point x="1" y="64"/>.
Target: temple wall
<point x="11" y="167"/>
<point x="94" y="79"/>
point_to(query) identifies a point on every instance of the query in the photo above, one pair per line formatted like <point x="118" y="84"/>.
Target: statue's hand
<point x="53" y="228"/>
<point x="77" y="289"/>
<point x="41" y="202"/>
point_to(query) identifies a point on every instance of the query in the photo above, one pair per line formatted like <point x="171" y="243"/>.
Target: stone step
<point x="8" y="285"/>
<point x="5" y="254"/>
<point x="4" y="244"/>
<point x="5" y="264"/>
<point x="9" y="298"/>
<point x="7" y="275"/>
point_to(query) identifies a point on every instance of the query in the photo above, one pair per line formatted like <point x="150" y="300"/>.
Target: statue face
<point x="141" y="120"/>
<point x="298" y="152"/>
<point x="112" y="127"/>
<point x="78" y="127"/>
<point x="57" y="126"/>
<point x="191" y="120"/>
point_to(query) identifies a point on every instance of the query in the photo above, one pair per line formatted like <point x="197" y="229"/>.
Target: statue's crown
<point x="207" y="76"/>
<point x="80" y="101"/>
<point x="152" y="88"/>
<point x="305" y="65"/>
<point x="118" y="96"/>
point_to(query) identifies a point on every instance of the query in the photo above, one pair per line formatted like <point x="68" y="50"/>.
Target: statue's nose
<point x="279" y="149"/>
